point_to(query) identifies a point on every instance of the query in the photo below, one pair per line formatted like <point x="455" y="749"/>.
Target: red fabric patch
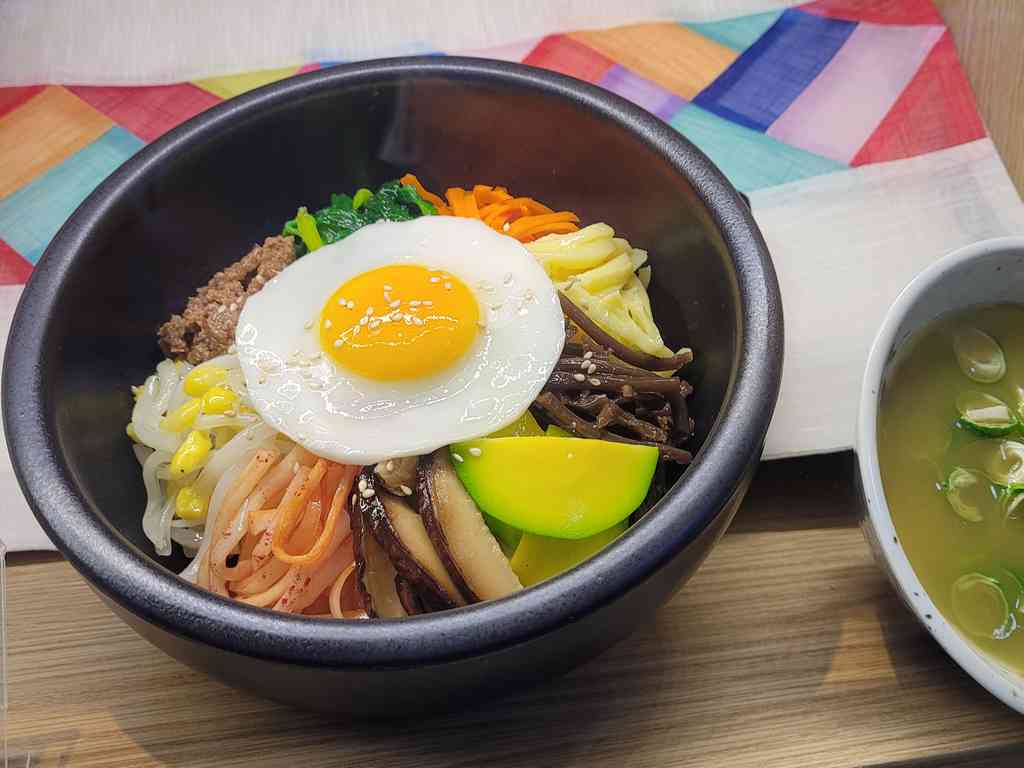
<point x="878" y="11"/>
<point x="935" y="111"/>
<point x="12" y="98"/>
<point x="14" y="270"/>
<point x="147" y="111"/>
<point x="563" y="54"/>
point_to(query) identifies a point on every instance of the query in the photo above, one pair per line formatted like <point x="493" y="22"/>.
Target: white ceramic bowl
<point x="988" y="272"/>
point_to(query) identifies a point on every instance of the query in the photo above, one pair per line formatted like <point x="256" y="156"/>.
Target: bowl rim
<point x="882" y="532"/>
<point x="129" y="578"/>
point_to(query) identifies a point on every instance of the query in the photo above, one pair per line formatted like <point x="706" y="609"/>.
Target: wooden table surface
<point x="788" y="648"/>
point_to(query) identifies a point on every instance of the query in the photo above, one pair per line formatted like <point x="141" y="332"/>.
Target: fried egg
<point x="401" y="338"/>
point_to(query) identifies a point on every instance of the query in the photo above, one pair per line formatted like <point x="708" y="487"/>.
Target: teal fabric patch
<point x="748" y="158"/>
<point x="738" y="34"/>
<point x="31" y="216"/>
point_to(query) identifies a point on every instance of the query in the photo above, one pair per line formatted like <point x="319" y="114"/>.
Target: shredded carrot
<point x="430" y="197"/>
<point x="523" y="218"/>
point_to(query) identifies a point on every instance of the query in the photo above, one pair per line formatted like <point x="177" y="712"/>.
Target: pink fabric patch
<point x="311" y="67"/>
<point x="14" y="270"/>
<point x="563" y="54"/>
<point x="878" y="11"/>
<point x="844" y="105"/>
<point x="147" y="111"/>
<point x="934" y="112"/>
<point x="12" y="98"/>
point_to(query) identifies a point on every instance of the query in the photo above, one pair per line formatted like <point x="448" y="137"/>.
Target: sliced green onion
<point x="307" y="230"/>
<point x="979" y="355"/>
<point x="969" y="494"/>
<point x="985" y="414"/>
<point x="981" y="607"/>
<point x="1005" y="463"/>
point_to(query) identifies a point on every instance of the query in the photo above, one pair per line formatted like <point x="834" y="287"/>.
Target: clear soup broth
<point x="951" y="454"/>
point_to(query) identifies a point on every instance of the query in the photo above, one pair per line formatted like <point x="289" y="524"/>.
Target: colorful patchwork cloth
<point x="848" y="123"/>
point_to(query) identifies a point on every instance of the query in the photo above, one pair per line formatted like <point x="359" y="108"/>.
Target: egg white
<point x="347" y="418"/>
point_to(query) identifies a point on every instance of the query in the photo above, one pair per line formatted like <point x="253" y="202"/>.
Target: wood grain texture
<point x="988" y="36"/>
<point x="787" y="649"/>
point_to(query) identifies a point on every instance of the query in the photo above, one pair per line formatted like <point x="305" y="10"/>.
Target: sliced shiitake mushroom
<point x="407" y="595"/>
<point x="401" y="533"/>
<point x="398" y="475"/>
<point x="375" y="575"/>
<point x="462" y="539"/>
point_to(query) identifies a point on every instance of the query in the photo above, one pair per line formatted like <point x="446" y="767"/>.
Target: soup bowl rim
<point x="1000" y="681"/>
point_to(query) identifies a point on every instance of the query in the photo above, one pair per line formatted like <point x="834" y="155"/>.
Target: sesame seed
<point x="388" y="287"/>
<point x="414" y="303"/>
<point x="584" y="365"/>
<point x="369" y="493"/>
<point x="592" y="368"/>
<point x="390" y="466"/>
<point x="508" y="278"/>
<point x="374" y="324"/>
<point x="397" y="316"/>
<point x="395" y="303"/>
<point x="352" y="500"/>
<point x="475" y="452"/>
<point x="448" y="286"/>
<point x="356" y="329"/>
<point x="351" y="304"/>
<point x="587" y="355"/>
<point x="506" y="227"/>
<point x="435" y="279"/>
<point x="457" y="457"/>
<point x="579" y="377"/>
<point x="364" y="320"/>
<point x="233" y="306"/>
<point x="369" y="311"/>
<point x="328" y="323"/>
<point x="407" y="319"/>
<point x="595" y="382"/>
<point x="416" y="320"/>
<point x="295" y="468"/>
<point x="385" y="318"/>
<point x="498" y="305"/>
<point x="406" y="490"/>
<point x="428" y="303"/>
<point x="316" y="386"/>
<point x="362" y="484"/>
<point x="220" y="309"/>
<point x="338" y="343"/>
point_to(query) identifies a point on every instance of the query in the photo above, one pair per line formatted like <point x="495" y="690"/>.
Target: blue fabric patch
<point x="739" y="33"/>
<point x="31" y="216"/>
<point x="749" y="159"/>
<point x="771" y="73"/>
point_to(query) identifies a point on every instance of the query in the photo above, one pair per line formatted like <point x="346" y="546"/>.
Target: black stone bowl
<point x="196" y="199"/>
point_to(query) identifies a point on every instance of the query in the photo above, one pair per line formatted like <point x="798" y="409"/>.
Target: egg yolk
<point x="399" y="322"/>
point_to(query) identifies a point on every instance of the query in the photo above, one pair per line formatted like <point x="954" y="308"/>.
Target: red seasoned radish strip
<point x="230" y="525"/>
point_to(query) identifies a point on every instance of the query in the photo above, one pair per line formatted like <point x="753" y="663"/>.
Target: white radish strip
<point x="230" y="529"/>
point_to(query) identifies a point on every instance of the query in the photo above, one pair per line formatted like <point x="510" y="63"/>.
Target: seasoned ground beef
<point x="207" y="326"/>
